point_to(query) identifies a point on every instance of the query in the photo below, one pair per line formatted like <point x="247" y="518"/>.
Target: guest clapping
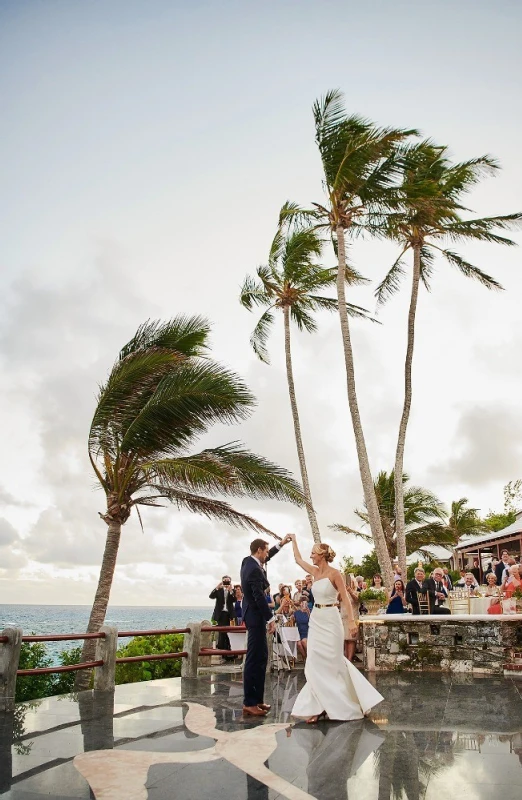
<point x="397" y="604"/>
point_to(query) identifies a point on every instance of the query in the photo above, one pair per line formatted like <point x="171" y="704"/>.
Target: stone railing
<point x="483" y="644"/>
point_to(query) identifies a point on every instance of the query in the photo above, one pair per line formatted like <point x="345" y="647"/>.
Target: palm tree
<point x="162" y="393"/>
<point x="289" y="283"/>
<point x="360" y="166"/>
<point x="464" y="521"/>
<point x="425" y="517"/>
<point x="430" y="216"/>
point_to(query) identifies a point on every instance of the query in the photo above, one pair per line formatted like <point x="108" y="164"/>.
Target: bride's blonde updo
<point x="326" y="551"/>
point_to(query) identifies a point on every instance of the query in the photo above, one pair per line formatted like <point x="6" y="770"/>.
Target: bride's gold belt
<point x="323" y="605"/>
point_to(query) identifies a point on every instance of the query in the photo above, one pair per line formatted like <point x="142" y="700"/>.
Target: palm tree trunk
<point x="364" y="465"/>
<point x="101" y="600"/>
<point x="297" y="430"/>
<point x="401" y="439"/>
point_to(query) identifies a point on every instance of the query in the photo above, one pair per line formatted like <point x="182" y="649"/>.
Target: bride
<point x="334" y="688"/>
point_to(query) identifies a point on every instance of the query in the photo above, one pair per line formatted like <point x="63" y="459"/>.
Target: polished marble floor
<point x="433" y="736"/>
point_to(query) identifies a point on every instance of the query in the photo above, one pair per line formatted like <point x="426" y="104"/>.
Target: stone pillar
<point x="192" y="646"/>
<point x="104" y="677"/>
<point x="9" y="659"/>
<point x="206" y="642"/>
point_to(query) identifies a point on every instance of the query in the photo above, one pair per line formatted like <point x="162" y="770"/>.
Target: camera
<point x="226" y="583"/>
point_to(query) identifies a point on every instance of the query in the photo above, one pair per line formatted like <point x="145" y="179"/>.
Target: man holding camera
<point x="223" y="612"/>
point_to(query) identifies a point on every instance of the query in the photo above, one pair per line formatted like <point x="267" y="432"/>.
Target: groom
<point x="259" y="620"/>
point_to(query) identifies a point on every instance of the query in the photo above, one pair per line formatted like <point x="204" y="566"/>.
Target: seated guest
<point x="512" y="582"/>
<point x="306" y="591"/>
<point x="414" y="587"/>
<point x="302" y="619"/>
<point x="397" y="604"/>
<point x="277" y="601"/>
<point x="286" y="610"/>
<point x="470" y="584"/>
<point x="269" y="598"/>
<point x="437" y="592"/>
<point x="492" y="590"/>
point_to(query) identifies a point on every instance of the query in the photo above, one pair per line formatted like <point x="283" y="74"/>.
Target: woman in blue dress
<point x="397" y="603"/>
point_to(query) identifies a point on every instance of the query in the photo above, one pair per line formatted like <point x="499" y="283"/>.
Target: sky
<point x="146" y="151"/>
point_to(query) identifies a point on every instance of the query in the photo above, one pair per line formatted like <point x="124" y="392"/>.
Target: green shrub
<point x="150" y="670"/>
<point x="31" y="687"/>
<point x="373" y="594"/>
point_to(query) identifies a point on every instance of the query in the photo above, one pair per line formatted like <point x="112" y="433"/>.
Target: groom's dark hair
<point x="256" y="544"/>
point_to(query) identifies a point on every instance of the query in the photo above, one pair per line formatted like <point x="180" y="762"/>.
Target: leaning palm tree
<point x="425" y="517"/>
<point x="290" y="283"/>
<point x="430" y="217"/>
<point x="360" y="166"/>
<point x="162" y="393"/>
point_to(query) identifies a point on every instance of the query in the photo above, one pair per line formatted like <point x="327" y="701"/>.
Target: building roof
<point x="511" y="530"/>
<point x="439" y="554"/>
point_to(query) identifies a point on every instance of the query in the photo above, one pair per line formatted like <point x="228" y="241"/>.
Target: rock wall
<point x="441" y="645"/>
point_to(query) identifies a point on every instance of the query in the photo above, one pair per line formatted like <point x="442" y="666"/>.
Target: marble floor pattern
<point x="187" y="739"/>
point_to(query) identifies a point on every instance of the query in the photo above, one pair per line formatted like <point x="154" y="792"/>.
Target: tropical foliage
<point x="292" y="283"/>
<point x="164" y="392"/>
<point x="424" y="514"/>
<point x="428" y="221"/>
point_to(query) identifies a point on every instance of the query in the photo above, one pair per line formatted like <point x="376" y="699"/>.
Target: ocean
<point x="73" y="619"/>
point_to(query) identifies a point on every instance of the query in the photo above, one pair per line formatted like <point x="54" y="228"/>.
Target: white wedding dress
<point x="333" y="684"/>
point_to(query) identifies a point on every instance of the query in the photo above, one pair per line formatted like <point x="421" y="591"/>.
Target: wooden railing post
<point x="9" y="660"/>
<point x="192" y="646"/>
<point x="104" y="676"/>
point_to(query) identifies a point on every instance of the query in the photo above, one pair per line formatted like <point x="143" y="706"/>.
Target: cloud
<point x="487" y="446"/>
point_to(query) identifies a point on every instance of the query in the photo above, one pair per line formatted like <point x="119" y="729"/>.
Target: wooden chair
<point x="458" y="601"/>
<point x="424" y="603"/>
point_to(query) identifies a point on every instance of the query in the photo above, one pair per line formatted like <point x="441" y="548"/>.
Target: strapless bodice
<point x="324" y="591"/>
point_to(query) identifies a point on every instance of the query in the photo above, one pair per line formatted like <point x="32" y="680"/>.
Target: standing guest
<point x="307" y="591"/>
<point x="437" y="592"/>
<point x="397" y="573"/>
<point x="475" y="570"/>
<point x="238" y="612"/>
<point x="360" y="587"/>
<point x="446" y="579"/>
<point x="491" y="567"/>
<point x="259" y="621"/>
<point x="223" y="612"/>
<point x="501" y="566"/>
<point x="414" y="587"/>
<point x="302" y="619"/>
<point x="350" y="640"/>
<point x="286" y="610"/>
<point x="296" y="597"/>
<point x="397" y="604"/>
<point x="277" y="601"/>
<point x="377" y="582"/>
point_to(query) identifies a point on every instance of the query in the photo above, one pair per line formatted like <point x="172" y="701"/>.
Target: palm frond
<point x="185" y="403"/>
<point x="253" y="294"/>
<point x="186" y="335"/>
<point x="346" y="529"/>
<point x="293" y="214"/>
<point x="426" y="266"/>
<point x="391" y="282"/>
<point x="260" y="335"/>
<point x="302" y="319"/>
<point x="228" y="470"/>
<point x="469" y="270"/>
<point x="484" y="229"/>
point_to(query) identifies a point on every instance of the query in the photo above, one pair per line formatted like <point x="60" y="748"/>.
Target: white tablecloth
<point x="237" y="641"/>
<point x="479" y="605"/>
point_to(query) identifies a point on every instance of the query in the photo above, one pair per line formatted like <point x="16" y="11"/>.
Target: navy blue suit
<point x="256" y="614"/>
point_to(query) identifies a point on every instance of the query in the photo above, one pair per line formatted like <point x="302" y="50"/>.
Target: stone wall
<point x="441" y="644"/>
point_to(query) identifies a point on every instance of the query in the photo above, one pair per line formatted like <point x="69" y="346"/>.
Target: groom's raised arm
<point x="276" y="548"/>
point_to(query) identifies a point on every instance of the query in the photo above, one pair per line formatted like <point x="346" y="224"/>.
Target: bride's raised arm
<point x="299" y="559"/>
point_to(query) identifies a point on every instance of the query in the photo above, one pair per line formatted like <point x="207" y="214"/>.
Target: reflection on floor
<point x="188" y="739"/>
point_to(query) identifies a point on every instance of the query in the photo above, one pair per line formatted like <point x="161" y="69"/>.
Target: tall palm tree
<point x="360" y="166"/>
<point x="290" y="283"/>
<point x="425" y="517"/>
<point x="429" y="218"/>
<point x="162" y="393"/>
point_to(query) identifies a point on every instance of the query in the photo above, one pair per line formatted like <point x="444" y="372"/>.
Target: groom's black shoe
<point x="255" y="711"/>
<point x="264" y="707"/>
